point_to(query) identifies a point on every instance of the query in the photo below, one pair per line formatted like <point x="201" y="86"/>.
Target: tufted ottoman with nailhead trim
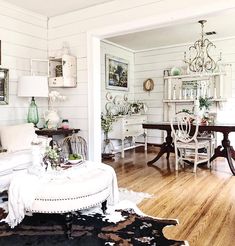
<point x="78" y="189"/>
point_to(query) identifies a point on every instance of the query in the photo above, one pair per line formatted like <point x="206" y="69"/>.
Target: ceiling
<point x="188" y="32"/>
<point x="173" y="34"/>
<point x="55" y="7"/>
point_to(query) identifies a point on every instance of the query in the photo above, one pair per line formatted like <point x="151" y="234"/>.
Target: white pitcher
<point x="52" y="119"/>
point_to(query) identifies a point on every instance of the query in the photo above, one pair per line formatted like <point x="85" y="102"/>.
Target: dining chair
<point x="211" y="137"/>
<point x="186" y="144"/>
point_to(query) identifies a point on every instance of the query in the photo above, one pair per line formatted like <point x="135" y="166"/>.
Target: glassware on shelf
<point x="180" y="93"/>
<point x="184" y="94"/>
<point x="191" y="93"/>
<point x="215" y="93"/>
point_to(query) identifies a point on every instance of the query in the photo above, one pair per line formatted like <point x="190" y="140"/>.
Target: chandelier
<point x="202" y="60"/>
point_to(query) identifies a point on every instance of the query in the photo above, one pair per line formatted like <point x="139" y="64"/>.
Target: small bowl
<point x="74" y="161"/>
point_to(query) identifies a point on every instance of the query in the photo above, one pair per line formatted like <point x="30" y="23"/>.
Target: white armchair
<point x="187" y="145"/>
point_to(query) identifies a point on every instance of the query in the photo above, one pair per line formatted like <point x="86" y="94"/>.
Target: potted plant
<point x="106" y="125"/>
<point x="204" y="106"/>
<point x="51" y="158"/>
<point x="205" y="103"/>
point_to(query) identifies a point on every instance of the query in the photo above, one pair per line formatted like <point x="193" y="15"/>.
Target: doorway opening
<point x="94" y="38"/>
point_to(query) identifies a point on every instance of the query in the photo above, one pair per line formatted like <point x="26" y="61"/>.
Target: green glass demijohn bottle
<point x="33" y="113"/>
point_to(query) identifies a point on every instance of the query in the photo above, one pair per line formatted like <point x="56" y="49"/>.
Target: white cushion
<point x="15" y="161"/>
<point x="17" y="137"/>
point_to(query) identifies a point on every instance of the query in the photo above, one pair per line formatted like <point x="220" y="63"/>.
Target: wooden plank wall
<point x="24" y="36"/>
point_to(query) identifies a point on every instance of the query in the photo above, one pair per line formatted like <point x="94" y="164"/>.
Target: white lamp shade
<point x="33" y="86"/>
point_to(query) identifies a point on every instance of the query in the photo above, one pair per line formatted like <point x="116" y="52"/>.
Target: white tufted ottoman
<point x="81" y="188"/>
<point x="62" y="192"/>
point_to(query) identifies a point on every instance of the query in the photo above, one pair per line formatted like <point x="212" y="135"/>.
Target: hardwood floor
<point x="204" y="203"/>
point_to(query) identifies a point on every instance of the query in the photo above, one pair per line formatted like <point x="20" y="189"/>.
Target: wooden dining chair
<point x="186" y="144"/>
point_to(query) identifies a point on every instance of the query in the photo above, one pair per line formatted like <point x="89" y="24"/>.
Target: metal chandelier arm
<point x="202" y="61"/>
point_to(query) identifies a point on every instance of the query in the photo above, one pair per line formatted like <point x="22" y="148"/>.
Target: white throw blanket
<point x="24" y="189"/>
<point x="22" y="192"/>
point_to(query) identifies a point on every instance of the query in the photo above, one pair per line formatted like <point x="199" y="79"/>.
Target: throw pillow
<point x="43" y="141"/>
<point x="17" y="137"/>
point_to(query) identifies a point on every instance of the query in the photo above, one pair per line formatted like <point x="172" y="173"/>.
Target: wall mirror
<point x="4" y="84"/>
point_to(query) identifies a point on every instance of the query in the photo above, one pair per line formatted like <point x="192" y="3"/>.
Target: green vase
<point x="33" y="113"/>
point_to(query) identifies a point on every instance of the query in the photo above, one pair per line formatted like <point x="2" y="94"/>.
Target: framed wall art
<point x="4" y="83"/>
<point x="117" y="70"/>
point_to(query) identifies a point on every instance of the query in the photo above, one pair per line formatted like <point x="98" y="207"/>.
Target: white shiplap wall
<point x="73" y="28"/>
<point x="24" y="36"/>
<point x="151" y="63"/>
<point x="75" y="106"/>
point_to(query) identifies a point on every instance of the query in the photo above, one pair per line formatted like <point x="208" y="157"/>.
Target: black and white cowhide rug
<point x="123" y="225"/>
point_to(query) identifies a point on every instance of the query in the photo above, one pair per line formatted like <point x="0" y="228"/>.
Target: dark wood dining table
<point x="224" y="150"/>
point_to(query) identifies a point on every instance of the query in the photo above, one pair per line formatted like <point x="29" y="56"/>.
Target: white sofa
<point x="17" y="141"/>
<point x="10" y="163"/>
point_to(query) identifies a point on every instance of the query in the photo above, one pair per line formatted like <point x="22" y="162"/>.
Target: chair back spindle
<point x="181" y="126"/>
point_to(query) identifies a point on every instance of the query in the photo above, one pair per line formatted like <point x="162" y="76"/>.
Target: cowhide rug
<point x="126" y="226"/>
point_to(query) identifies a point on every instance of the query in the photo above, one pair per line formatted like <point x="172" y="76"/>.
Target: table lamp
<point x="33" y="86"/>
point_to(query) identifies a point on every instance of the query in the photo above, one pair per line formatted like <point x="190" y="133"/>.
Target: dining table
<point x="224" y="150"/>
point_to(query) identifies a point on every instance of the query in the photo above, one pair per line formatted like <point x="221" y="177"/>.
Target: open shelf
<point x="191" y="100"/>
<point x="196" y="75"/>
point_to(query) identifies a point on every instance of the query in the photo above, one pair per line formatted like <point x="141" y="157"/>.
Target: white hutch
<point x="181" y="91"/>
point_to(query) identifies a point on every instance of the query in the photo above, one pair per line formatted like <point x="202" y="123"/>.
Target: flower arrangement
<point x="106" y="123"/>
<point x="55" y="96"/>
<point x="52" y="157"/>
<point x="137" y="107"/>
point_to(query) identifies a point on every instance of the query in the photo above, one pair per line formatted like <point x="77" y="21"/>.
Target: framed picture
<point x="4" y="83"/>
<point x="116" y="73"/>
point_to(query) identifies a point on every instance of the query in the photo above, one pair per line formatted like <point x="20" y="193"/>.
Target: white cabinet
<point x="128" y="126"/>
<point x="181" y="91"/>
<point x="63" y="71"/>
